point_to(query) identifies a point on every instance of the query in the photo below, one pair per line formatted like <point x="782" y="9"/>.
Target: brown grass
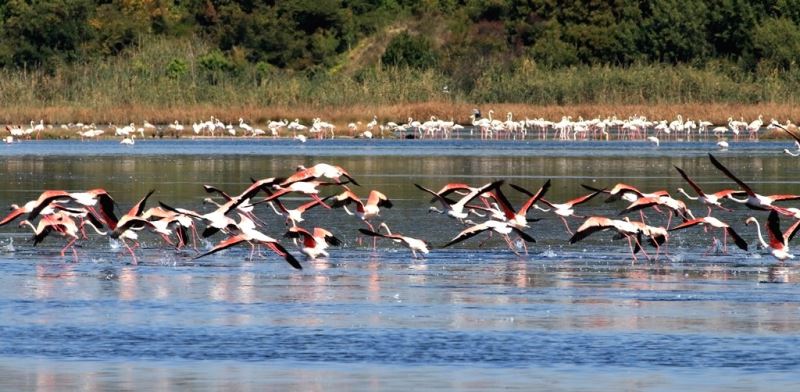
<point x="342" y="115"/>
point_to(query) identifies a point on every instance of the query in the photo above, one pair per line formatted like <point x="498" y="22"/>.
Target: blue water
<point x="470" y="317"/>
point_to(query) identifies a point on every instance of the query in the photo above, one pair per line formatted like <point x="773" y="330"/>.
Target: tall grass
<point x="138" y="86"/>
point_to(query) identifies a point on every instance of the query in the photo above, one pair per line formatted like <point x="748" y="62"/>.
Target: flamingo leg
<point x="68" y="245"/>
<point x="133" y="256"/>
<point x="566" y="224"/>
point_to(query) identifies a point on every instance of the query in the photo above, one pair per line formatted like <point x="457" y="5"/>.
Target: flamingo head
<point x="751" y="220"/>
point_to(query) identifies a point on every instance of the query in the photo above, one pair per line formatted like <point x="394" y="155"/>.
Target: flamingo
<point x="755" y="126"/>
<point x="723" y="145"/>
<point x="248" y="233"/>
<point x="456" y="210"/>
<point x="754" y="201"/>
<point x="625" y="192"/>
<point x="132" y="220"/>
<point x="567" y="208"/>
<point x="503" y="228"/>
<point x="319" y="170"/>
<point x="34" y="207"/>
<point x="714" y="222"/>
<point x="795" y="137"/>
<point x="365" y="211"/>
<point x="673" y="205"/>
<point x="778" y="242"/>
<point x="624" y="228"/>
<point x="294" y="215"/>
<point x="414" y="244"/>
<point x="711" y="200"/>
<point x="90" y="199"/>
<point x="314" y="244"/>
<point x="59" y="222"/>
<point x="128" y="140"/>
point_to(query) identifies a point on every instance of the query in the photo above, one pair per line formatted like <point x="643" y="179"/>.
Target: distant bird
<point x="128" y="140"/>
<point x="722" y="145"/>
<point x="654" y="140"/>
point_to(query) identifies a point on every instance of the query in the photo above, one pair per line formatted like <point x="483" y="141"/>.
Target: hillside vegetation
<point x="77" y="58"/>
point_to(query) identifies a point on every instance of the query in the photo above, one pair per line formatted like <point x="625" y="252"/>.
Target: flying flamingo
<point x="754" y="201"/>
<point x="778" y="242"/>
<point x="711" y="200"/>
<point x="314" y="243"/>
<point x="365" y="211"/>
<point x="131" y="221"/>
<point x="727" y="230"/>
<point x="248" y="233"/>
<point x="416" y="245"/>
<point x="59" y="222"/>
<point x="319" y="170"/>
<point x="624" y="228"/>
<point x="491" y="225"/>
<point x="294" y="215"/>
<point x="34" y="207"/>
<point x="567" y="208"/>
<point x="456" y="210"/>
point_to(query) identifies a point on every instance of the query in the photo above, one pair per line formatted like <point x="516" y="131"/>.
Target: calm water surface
<point x="470" y="317"/>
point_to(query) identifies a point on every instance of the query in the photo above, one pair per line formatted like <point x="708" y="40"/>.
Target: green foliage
<point x="177" y="69"/>
<point x="777" y="42"/>
<point x="411" y="51"/>
<point x="467" y="44"/>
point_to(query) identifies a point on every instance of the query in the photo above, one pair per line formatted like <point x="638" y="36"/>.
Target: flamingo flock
<point x="645" y="219"/>
<point x="598" y="128"/>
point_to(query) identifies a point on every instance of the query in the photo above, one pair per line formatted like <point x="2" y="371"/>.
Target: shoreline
<point x="717" y="113"/>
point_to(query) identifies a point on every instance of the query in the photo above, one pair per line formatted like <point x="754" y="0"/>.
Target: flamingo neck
<point x="761" y="238"/>
<point x="680" y="190"/>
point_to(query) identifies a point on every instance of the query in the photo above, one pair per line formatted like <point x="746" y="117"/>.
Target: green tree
<point x="408" y="50"/>
<point x="671" y="29"/>
<point x="777" y="42"/>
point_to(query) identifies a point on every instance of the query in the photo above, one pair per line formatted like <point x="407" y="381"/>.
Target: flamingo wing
<point x="590" y="226"/>
<point x="690" y="182"/>
<point x="741" y="243"/>
<point x="730" y="175"/>
<point x="533" y="197"/>
<point x="281" y="251"/>
<point x="689" y="223"/>
<point x="791" y="231"/>
<point x="641" y="203"/>
<point x="776" y="240"/>
<point x="784" y="197"/>
<point x="467" y="233"/>
<point x="224" y="244"/>
<point x="213" y="189"/>
<point x="583" y="199"/>
<point x="13" y="215"/>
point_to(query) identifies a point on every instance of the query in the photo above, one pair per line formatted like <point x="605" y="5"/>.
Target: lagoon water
<point x="471" y="317"/>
